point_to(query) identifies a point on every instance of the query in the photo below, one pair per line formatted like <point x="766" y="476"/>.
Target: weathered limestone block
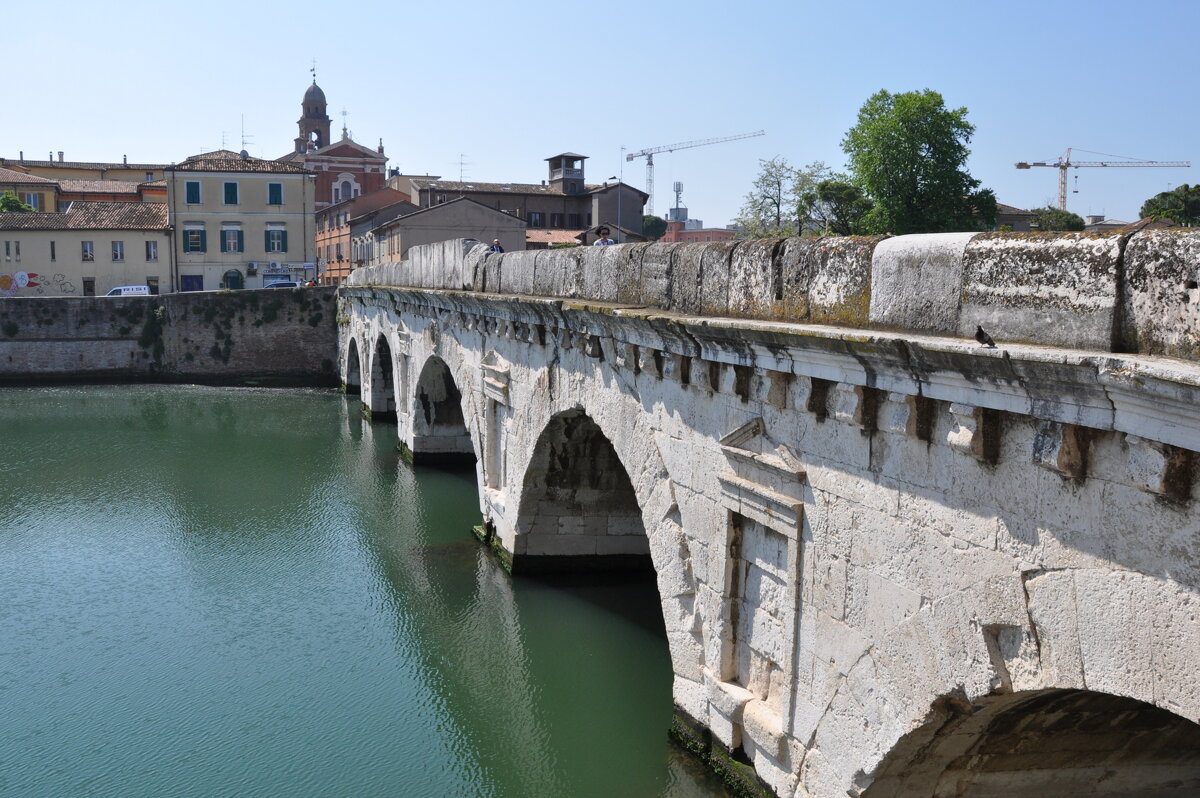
<point x="474" y="273"/>
<point x="1062" y="448"/>
<point x="603" y="270"/>
<point x="1161" y="300"/>
<point x="907" y="414"/>
<point x="493" y="271"/>
<point x="795" y="263"/>
<point x="754" y="286"/>
<point x="916" y="281"/>
<point x="558" y="272"/>
<point x="840" y="286"/>
<point x="1159" y="468"/>
<point x="518" y="272"/>
<point x="626" y="267"/>
<point x="1058" y="289"/>
<point x="715" y="270"/>
<point x="650" y="361"/>
<point x="976" y="431"/>
<point x="855" y="404"/>
<point x="686" y="277"/>
<point x="656" y="275"/>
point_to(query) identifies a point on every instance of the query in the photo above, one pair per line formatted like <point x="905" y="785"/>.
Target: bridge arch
<point x="578" y="504"/>
<point x="1045" y="742"/>
<point x="439" y="428"/>
<point x="352" y="377"/>
<point x="627" y="484"/>
<point x="381" y="396"/>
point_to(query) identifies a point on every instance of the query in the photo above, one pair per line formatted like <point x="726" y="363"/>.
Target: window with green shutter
<point x="193" y="192"/>
<point x="274" y="193"/>
<point x="194" y="240"/>
<point x="276" y="240"/>
<point x="231" y="193"/>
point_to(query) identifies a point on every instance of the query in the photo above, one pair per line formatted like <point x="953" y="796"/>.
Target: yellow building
<point x="240" y="222"/>
<point x="85" y="251"/>
<point x="36" y="191"/>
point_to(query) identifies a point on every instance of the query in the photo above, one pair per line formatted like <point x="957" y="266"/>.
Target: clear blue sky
<point x="508" y="84"/>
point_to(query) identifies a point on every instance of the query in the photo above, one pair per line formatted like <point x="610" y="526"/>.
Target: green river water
<point x="238" y="592"/>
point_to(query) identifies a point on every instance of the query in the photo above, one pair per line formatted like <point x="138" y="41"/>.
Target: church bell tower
<point x="314" y="121"/>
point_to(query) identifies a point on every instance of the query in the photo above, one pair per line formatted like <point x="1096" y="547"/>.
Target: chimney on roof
<point x="125" y="160"/>
<point x="22" y="155"/>
<point x="60" y="154"/>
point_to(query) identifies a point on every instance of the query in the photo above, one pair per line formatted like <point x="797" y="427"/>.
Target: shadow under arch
<point x="1040" y="743"/>
<point x="578" y="507"/>
<point x="439" y="428"/>
<point x="382" y="399"/>
<point x="352" y="379"/>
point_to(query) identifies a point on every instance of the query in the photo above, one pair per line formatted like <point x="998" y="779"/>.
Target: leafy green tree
<point x="1181" y="205"/>
<point x="775" y="207"/>
<point x="653" y="227"/>
<point x="908" y="152"/>
<point x="1049" y="218"/>
<point x="9" y="204"/>
<point x="837" y="206"/>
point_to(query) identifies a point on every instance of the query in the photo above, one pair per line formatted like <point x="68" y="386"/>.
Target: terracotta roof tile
<point x="552" y="236"/>
<point x="99" y="186"/>
<point x="92" y="216"/>
<point x="229" y="161"/>
<point x="13" y="176"/>
<point x="467" y="187"/>
<point x="98" y="165"/>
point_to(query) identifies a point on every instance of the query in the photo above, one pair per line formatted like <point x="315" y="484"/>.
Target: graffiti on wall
<point x="33" y="283"/>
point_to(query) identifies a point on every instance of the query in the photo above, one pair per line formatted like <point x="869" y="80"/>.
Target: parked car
<point x="283" y="284"/>
<point x="130" y="290"/>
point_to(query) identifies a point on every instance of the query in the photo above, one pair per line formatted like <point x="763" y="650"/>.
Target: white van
<point x="130" y="290"/>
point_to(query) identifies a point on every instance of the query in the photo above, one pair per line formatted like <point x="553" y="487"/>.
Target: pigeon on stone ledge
<point x="983" y="337"/>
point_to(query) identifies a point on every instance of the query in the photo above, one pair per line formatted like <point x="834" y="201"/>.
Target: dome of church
<point x="314" y="94"/>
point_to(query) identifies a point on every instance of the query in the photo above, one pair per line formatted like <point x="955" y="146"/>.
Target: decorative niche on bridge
<point x="763" y="491"/>
<point x="494" y="379"/>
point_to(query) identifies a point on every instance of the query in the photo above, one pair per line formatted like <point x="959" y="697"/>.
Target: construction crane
<point x="1064" y="163"/>
<point x="650" y="152"/>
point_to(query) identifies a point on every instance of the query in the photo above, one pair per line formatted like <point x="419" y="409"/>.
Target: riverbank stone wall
<point x="270" y="336"/>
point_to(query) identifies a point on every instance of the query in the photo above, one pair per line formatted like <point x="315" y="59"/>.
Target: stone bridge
<point x="892" y="562"/>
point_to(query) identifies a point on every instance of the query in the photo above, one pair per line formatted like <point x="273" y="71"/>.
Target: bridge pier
<point x="866" y="543"/>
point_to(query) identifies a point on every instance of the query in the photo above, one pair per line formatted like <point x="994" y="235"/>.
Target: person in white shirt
<point x="602" y="239"/>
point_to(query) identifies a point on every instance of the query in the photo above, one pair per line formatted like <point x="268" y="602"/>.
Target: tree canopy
<point x="9" y="203"/>
<point x="837" y="206"/>
<point x="908" y="152"/>
<point x="776" y="205"/>
<point x="1050" y="218"/>
<point x="1181" y="205"/>
<point x="653" y="226"/>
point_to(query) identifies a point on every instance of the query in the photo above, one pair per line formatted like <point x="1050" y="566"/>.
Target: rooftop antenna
<point x="222" y="141"/>
<point x="678" y="193"/>
<point x="462" y="163"/>
<point x="245" y="136"/>
<point x="345" y="135"/>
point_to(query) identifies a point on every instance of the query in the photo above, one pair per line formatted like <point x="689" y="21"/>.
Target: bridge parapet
<point x="1111" y="292"/>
